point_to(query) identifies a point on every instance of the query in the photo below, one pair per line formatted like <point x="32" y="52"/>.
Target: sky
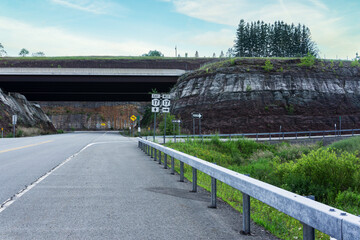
<point x="133" y="27"/>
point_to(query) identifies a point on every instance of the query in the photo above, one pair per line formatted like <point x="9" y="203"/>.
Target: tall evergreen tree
<point x="258" y="39"/>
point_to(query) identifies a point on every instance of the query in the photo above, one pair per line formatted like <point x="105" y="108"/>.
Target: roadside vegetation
<point x="331" y="174"/>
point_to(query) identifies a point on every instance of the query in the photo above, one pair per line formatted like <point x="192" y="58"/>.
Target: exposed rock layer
<point x="241" y="96"/>
<point x="30" y="115"/>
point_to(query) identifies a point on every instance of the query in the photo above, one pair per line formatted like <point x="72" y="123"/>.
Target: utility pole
<point x="175" y="51"/>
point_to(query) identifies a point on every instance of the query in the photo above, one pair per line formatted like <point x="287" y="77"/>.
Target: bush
<point x="355" y="63"/>
<point x="348" y="201"/>
<point x="322" y="173"/>
<point x="169" y="124"/>
<point x="351" y="145"/>
<point x="308" y="61"/>
<point x="268" y="66"/>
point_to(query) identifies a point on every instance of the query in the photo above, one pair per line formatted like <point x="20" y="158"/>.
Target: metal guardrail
<point x="272" y="135"/>
<point x="313" y="215"/>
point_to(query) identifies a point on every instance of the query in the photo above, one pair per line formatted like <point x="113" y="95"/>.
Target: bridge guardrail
<point x="313" y="215"/>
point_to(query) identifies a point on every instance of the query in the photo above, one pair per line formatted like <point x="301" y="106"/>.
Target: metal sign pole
<point x="179" y="128"/>
<point x="340" y="125"/>
<point x="194" y="126"/>
<point x="154" y="125"/>
<point x="165" y="128"/>
<point x="199" y="126"/>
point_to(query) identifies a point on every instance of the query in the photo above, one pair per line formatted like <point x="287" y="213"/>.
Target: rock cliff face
<point x="31" y="119"/>
<point x="91" y="115"/>
<point x="241" y="96"/>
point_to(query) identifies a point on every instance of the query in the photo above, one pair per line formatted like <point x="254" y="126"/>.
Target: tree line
<point x="259" y="39"/>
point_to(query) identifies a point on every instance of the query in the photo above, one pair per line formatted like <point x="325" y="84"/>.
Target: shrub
<point x="341" y="64"/>
<point x="355" y="63"/>
<point x="351" y="145"/>
<point x="248" y="88"/>
<point x="307" y="61"/>
<point x="322" y="173"/>
<point x="348" y="201"/>
<point x="268" y="66"/>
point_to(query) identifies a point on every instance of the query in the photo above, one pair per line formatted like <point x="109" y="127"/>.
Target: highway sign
<point x="165" y="110"/>
<point x="165" y="103"/>
<point x="176" y="121"/>
<point x="196" y="115"/>
<point x="165" y="96"/>
<point x="155" y="109"/>
<point x="133" y="118"/>
<point x="155" y="96"/>
<point x="155" y="102"/>
<point x="14" y="119"/>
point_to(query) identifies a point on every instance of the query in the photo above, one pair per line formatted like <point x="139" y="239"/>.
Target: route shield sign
<point x="165" y="103"/>
<point x="133" y="118"/>
<point x="14" y="119"/>
<point x="155" y="102"/>
<point x="155" y="109"/>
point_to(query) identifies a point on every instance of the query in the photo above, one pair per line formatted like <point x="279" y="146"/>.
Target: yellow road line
<point x="27" y="146"/>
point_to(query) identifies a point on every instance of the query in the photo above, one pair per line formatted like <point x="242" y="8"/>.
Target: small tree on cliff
<point x="23" y="52"/>
<point x="153" y="53"/>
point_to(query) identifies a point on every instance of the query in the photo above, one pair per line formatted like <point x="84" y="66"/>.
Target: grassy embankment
<point x="330" y="173"/>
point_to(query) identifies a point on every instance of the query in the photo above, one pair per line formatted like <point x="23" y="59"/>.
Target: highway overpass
<point x="79" y="80"/>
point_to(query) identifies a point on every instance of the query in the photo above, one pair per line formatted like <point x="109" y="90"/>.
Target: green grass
<point x="267" y="163"/>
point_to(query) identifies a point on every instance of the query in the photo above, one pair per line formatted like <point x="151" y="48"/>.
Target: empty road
<point x="101" y="186"/>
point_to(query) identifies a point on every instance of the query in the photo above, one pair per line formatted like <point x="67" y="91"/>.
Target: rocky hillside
<point x="31" y="119"/>
<point x="243" y="95"/>
<point x="91" y="115"/>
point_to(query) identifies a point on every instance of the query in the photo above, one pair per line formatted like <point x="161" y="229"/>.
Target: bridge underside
<point x="86" y="88"/>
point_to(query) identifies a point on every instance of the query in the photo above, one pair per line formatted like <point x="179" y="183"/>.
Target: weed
<point x="355" y="63"/>
<point x="341" y="64"/>
<point x="248" y="88"/>
<point x="307" y="61"/>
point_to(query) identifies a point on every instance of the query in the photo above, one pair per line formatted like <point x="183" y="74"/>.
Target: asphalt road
<point x="102" y="187"/>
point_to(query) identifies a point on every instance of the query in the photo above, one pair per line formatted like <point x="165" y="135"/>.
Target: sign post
<point x="155" y="102"/>
<point x="133" y="118"/>
<point x="174" y="128"/>
<point x="2" y="132"/>
<point x="165" y="108"/>
<point x="14" y="120"/>
<point x="198" y="116"/>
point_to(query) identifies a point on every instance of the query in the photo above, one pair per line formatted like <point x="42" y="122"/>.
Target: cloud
<point x="327" y="28"/>
<point x="92" y="6"/>
<point x="58" y="42"/>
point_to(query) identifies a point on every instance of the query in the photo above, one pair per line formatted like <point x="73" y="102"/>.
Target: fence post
<point x="213" y="193"/>
<point x="159" y="157"/>
<point x="246" y="214"/>
<point x="181" y="171"/>
<point x="172" y="166"/>
<point x="194" y="183"/>
<point x="165" y="161"/>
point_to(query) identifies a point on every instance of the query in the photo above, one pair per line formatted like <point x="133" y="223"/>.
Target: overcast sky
<point x="131" y="28"/>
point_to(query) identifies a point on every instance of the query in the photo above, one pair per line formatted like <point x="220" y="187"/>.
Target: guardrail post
<point x="152" y="152"/>
<point x="148" y="150"/>
<point x="296" y="135"/>
<point x="308" y="231"/>
<point x="172" y="166"/>
<point x="283" y="136"/>
<point x="246" y="214"/>
<point x="269" y="136"/>
<point x="310" y="134"/>
<point x="159" y="157"/>
<point x="155" y="154"/>
<point x="165" y="161"/>
<point x="352" y="132"/>
<point x="194" y="183"/>
<point x="181" y="171"/>
<point x="257" y="136"/>
<point x="213" y="193"/>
